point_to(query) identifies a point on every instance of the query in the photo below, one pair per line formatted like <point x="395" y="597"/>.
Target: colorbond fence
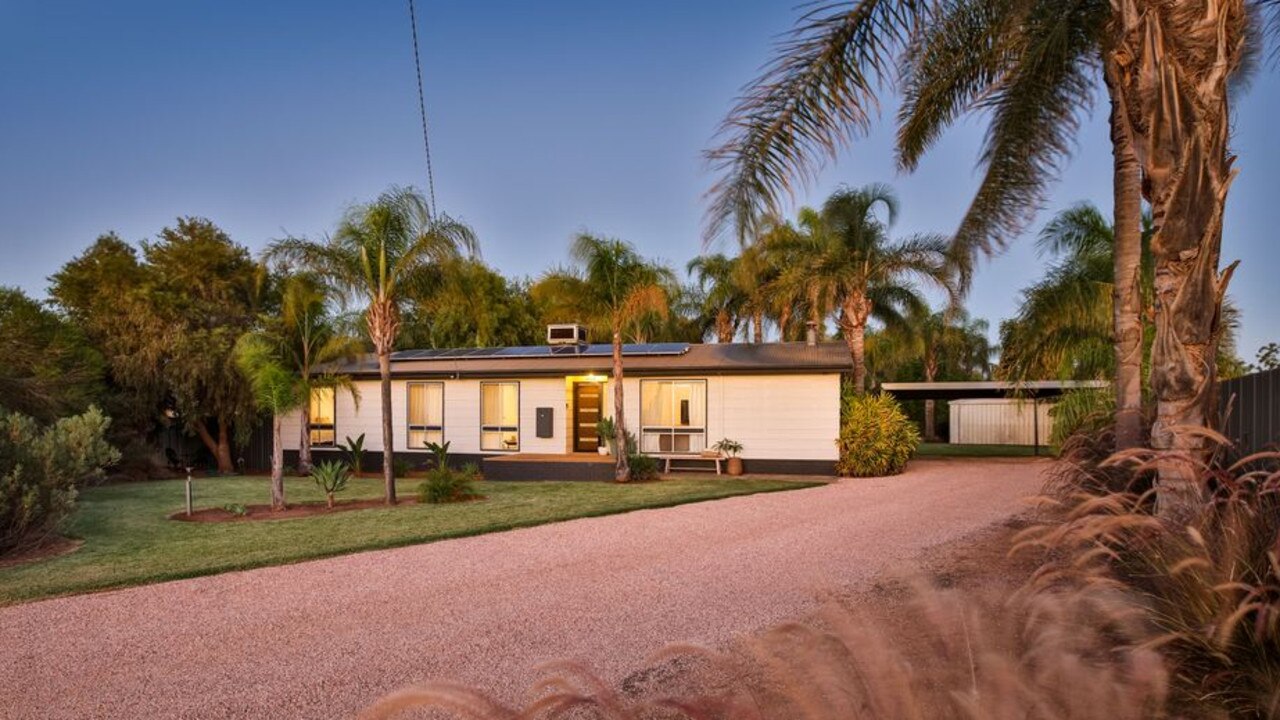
<point x="1251" y="411"/>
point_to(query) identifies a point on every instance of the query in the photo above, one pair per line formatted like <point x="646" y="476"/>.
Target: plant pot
<point x="734" y="465"/>
<point x="603" y="450"/>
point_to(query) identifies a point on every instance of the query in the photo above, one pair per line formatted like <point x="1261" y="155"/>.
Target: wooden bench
<point x="707" y="456"/>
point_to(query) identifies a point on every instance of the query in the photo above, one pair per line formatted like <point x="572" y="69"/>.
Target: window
<point x="673" y="416"/>
<point x="500" y="416"/>
<point x="426" y="414"/>
<point x="323" y="432"/>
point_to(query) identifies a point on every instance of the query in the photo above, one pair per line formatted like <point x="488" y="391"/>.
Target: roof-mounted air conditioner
<point x="567" y="334"/>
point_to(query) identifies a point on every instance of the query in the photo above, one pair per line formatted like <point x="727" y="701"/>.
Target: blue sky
<point x="546" y="118"/>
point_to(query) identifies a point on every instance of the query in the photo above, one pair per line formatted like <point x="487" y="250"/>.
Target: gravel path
<point x="325" y="638"/>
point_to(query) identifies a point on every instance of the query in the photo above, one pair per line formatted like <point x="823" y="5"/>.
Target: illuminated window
<point x="323" y="431"/>
<point x="500" y="416"/>
<point x="426" y="414"/>
<point x="673" y="416"/>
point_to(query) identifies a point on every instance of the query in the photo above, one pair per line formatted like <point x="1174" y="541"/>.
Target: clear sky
<point x="546" y="118"/>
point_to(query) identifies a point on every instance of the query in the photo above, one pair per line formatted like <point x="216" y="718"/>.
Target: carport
<point x="1034" y="390"/>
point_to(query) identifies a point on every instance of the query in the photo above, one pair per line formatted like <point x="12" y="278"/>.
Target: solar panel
<point x="527" y="351"/>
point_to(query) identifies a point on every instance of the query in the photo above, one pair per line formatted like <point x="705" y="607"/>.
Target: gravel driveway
<point x="325" y="638"/>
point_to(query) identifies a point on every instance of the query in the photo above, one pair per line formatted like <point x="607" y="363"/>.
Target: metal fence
<point x="1250" y="407"/>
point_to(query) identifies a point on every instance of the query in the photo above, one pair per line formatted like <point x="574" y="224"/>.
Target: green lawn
<point x="128" y="539"/>
<point x="949" y="450"/>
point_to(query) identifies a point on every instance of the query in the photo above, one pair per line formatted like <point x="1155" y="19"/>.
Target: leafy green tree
<point x="846" y="264"/>
<point x="202" y="291"/>
<point x="1268" y="358"/>
<point x="378" y="252"/>
<point x="167" y="324"/>
<point x="723" y="298"/>
<point x="468" y="304"/>
<point x="611" y="285"/>
<point x="103" y="292"/>
<point x="277" y="389"/>
<point x="50" y="370"/>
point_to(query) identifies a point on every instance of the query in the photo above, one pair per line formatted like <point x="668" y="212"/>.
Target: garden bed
<point x="294" y="510"/>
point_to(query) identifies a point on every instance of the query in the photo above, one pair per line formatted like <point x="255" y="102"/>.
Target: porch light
<point x="594" y="378"/>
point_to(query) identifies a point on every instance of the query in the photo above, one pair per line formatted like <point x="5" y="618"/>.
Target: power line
<point x="422" y="110"/>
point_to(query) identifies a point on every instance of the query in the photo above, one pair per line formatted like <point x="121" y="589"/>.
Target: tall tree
<point x="611" y="284"/>
<point x="722" y="295"/>
<point x="1166" y="64"/>
<point x="468" y="304"/>
<point x="847" y="264"/>
<point x="379" y="250"/>
<point x="1174" y="64"/>
<point x="103" y="292"/>
<point x="202" y="293"/>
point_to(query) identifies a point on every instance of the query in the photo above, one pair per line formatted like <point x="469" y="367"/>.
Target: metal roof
<point x="986" y="389"/>
<point x="652" y="359"/>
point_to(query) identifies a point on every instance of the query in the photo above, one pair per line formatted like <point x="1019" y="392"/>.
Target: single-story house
<point x="781" y="401"/>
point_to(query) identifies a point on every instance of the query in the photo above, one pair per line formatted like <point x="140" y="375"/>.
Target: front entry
<point x="588" y="398"/>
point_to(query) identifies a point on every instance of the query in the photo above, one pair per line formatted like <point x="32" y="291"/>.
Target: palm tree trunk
<point x="277" y="462"/>
<point x="383" y="323"/>
<point x="1127" y="292"/>
<point x="930" y="409"/>
<point x="724" y="327"/>
<point x="304" y="442"/>
<point x="622" y="467"/>
<point x="757" y="327"/>
<point x="1176" y="61"/>
<point x="853" y="325"/>
<point x="784" y="323"/>
<point x="225" y="464"/>
<point x="388" y="446"/>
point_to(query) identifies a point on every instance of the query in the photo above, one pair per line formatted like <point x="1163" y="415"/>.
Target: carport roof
<point x="986" y="389"/>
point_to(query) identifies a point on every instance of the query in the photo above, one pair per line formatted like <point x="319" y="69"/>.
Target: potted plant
<point x="730" y="449"/>
<point x="607" y="432"/>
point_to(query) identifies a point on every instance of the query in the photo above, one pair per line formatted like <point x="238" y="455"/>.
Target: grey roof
<point x="743" y="358"/>
<point x="985" y="389"/>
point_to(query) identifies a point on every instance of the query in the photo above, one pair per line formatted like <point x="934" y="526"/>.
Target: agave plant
<point x="332" y="477"/>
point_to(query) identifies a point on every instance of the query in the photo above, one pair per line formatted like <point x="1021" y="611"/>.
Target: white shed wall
<point x="998" y="422"/>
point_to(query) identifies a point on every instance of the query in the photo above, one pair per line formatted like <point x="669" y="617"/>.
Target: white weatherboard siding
<point x="998" y="422"/>
<point x="782" y="417"/>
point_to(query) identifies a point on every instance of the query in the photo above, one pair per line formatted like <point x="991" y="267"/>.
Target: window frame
<point x="499" y="428"/>
<point x="332" y="427"/>
<point x="409" y="426"/>
<point x="674" y="430"/>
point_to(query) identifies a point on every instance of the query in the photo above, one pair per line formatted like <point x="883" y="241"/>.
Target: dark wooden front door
<point x="587" y="401"/>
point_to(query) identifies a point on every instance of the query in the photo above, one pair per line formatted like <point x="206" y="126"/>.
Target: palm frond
<point x="1036" y="111"/>
<point x="819" y="92"/>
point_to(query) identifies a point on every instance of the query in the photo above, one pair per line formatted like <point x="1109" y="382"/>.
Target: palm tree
<point x="722" y="296"/>
<point x="613" y="286"/>
<point x="378" y="250"/>
<point x="953" y="346"/>
<point x="276" y="389"/>
<point x="1166" y="66"/>
<point x="309" y="336"/>
<point x="846" y="264"/>
<point x="756" y="273"/>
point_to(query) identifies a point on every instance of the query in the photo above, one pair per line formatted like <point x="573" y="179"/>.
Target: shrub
<point x="445" y="486"/>
<point x="876" y="437"/>
<point x="40" y="469"/>
<point x="332" y="477"/>
<point x="643" y="467"/>
<point x="237" y="509"/>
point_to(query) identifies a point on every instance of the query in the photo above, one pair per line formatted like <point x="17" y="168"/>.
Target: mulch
<point x="294" y="510"/>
